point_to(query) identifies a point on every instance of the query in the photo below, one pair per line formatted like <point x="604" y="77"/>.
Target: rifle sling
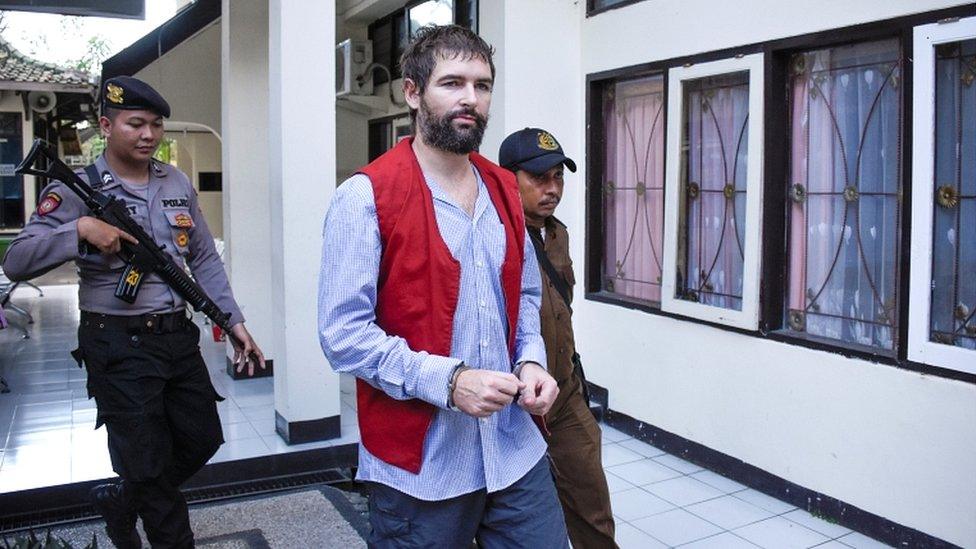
<point x="557" y="280"/>
<point x="93" y="178"/>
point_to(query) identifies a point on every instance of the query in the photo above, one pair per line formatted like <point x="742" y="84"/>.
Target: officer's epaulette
<point x="96" y="183"/>
<point x="157" y="168"/>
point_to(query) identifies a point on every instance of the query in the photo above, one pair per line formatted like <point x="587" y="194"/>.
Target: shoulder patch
<point x="183" y="221"/>
<point x="51" y="202"/>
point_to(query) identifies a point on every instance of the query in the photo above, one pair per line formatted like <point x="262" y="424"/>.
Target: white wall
<point x="301" y="74"/>
<point x="188" y="76"/>
<point x="200" y="152"/>
<point x="893" y="442"/>
<point x="246" y="179"/>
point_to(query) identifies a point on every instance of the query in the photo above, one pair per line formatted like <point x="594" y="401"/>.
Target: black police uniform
<point x="145" y="371"/>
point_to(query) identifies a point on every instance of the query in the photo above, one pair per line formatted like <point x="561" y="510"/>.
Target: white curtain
<point x="845" y="186"/>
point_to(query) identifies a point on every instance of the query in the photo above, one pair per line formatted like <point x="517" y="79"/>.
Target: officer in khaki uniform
<point x="574" y="443"/>
<point x="145" y="371"/>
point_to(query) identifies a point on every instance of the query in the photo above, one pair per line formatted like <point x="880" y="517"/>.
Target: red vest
<point x="418" y="285"/>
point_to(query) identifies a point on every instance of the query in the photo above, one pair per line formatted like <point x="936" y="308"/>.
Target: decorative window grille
<point x="942" y="326"/>
<point x="714" y="151"/>
<point x="844" y="195"/>
<point x="714" y="191"/>
<point x="633" y="185"/>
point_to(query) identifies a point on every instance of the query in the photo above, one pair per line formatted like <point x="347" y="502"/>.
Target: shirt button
<point x="483" y="303"/>
<point x="480" y="263"/>
<point x="484" y="342"/>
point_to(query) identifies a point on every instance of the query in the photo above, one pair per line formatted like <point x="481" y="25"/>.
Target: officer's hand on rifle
<point x="250" y="354"/>
<point x="107" y="238"/>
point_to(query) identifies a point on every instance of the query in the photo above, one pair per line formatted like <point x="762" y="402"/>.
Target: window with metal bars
<point x="712" y="221"/>
<point x="844" y="196"/>
<point x="952" y="320"/>
<point x="633" y="188"/>
<point x="838" y="240"/>
<point x="942" y="295"/>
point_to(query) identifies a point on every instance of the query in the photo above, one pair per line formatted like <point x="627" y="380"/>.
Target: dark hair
<point x="110" y="112"/>
<point x="446" y="41"/>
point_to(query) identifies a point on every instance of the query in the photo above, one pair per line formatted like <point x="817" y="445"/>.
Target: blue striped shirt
<point x="461" y="453"/>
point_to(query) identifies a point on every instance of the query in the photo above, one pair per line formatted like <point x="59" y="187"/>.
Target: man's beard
<point x="439" y="131"/>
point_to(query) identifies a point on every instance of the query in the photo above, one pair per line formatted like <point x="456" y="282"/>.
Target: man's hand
<point x="540" y="389"/>
<point x="243" y="356"/>
<point x="107" y="238"/>
<point x="480" y="393"/>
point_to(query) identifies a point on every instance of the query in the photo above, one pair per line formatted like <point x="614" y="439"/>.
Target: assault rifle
<point x="142" y="258"/>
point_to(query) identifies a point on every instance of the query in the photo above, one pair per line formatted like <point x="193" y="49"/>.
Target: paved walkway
<point x="660" y="500"/>
<point x="47" y="438"/>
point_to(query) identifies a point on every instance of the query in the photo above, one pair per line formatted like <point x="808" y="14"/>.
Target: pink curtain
<point x="713" y="219"/>
<point x="634" y="188"/>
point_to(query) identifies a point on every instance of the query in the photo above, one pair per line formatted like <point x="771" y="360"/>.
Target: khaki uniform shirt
<point x="556" y="316"/>
<point x="167" y="208"/>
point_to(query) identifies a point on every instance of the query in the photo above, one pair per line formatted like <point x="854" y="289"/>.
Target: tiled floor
<point x="659" y="500"/>
<point x="47" y="434"/>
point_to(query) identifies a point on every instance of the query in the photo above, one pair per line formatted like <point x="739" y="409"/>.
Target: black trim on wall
<point x="591" y="11"/>
<point x="775" y="170"/>
<point x="312" y="430"/>
<point x="904" y="263"/>
<point x="817" y="504"/>
<point x="776" y="151"/>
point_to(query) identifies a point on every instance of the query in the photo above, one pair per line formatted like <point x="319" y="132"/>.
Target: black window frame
<point x="776" y="150"/>
<point x="18" y="205"/>
<point x="400" y="18"/>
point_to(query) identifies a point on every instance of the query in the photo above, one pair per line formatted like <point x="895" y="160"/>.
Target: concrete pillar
<point x="491" y="27"/>
<point x="244" y="127"/>
<point x="302" y="144"/>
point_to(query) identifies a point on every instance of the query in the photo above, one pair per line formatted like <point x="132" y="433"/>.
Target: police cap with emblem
<point x="534" y="150"/>
<point x="128" y="93"/>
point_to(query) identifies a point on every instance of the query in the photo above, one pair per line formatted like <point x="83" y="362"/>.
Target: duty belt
<point x="157" y="323"/>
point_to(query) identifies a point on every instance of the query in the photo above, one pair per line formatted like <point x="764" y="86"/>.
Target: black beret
<point x="128" y="93"/>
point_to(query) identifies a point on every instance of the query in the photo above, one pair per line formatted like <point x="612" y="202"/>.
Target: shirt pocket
<point x="181" y="225"/>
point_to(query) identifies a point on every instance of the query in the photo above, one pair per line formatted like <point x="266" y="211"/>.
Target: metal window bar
<point x="858" y="288"/>
<point x="700" y="276"/>
<point x="953" y="303"/>
<point x="635" y="147"/>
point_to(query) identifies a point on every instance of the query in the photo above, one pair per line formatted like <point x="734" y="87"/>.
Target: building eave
<point x="162" y="39"/>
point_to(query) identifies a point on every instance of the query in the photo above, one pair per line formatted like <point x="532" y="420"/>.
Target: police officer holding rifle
<point x="141" y="349"/>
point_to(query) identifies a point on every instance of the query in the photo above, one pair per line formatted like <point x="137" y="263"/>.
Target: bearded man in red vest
<point x="429" y="294"/>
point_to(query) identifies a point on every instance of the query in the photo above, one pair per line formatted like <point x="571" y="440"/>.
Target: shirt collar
<point x="439" y="194"/>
